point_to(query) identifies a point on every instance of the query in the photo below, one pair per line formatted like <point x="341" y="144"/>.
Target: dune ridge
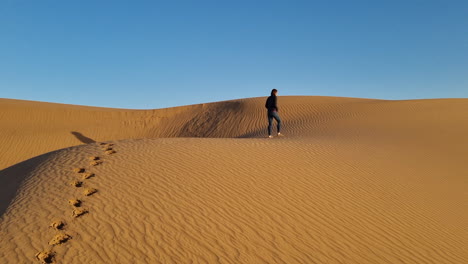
<point x="29" y="128"/>
<point x="353" y="181"/>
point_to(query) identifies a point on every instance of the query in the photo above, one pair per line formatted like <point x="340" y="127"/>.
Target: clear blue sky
<point x="155" y="54"/>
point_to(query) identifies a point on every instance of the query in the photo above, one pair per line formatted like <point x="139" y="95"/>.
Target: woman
<point x="271" y="105"/>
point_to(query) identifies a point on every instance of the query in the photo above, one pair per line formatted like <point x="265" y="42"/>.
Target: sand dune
<point x="354" y="181"/>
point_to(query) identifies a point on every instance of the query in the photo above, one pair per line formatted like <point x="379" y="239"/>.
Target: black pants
<point x="274" y="115"/>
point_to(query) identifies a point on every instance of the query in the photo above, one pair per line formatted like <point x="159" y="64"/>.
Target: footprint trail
<point x="49" y="255"/>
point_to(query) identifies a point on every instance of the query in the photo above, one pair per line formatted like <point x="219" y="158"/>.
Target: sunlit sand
<point x="352" y="181"/>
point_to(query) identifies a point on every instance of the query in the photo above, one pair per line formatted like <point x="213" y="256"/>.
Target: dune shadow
<point x="257" y="133"/>
<point x="253" y="134"/>
<point x="82" y="138"/>
<point x="12" y="177"/>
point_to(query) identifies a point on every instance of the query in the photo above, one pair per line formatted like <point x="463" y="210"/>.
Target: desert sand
<point x="353" y="181"/>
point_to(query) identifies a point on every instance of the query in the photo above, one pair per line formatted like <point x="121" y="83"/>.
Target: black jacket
<point x="271" y="104"/>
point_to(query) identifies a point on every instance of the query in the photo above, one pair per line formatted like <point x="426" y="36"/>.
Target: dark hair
<point x="273" y="91"/>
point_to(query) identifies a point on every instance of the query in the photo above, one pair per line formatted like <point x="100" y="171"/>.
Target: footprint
<point x="88" y="175"/>
<point x="57" y="224"/>
<point x="94" y="158"/>
<point x="76" y="183"/>
<point x="95" y="162"/>
<point x="45" y="256"/>
<point x="79" y="212"/>
<point x="110" y="152"/>
<point x="79" y="170"/>
<point x="59" y="239"/>
<point x="89" y="191"/>
<point x="75" y="202"/>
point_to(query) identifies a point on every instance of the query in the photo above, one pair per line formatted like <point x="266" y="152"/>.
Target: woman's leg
<point x="270" y="124"/>
<point x="278" y="121"/>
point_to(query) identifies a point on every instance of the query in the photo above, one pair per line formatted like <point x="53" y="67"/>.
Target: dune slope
<point x="354" y="181"/>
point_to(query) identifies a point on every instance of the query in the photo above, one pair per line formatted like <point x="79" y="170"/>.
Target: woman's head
<point x="274" y="92"/>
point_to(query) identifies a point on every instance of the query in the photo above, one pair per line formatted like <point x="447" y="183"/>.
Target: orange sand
<point x="353" y="181"/>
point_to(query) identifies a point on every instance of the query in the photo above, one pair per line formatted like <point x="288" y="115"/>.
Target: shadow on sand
<point x="12" y="177"/>
<point x="82" y="138"/>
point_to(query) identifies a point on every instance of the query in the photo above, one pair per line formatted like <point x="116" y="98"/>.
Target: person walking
<point x="271" y="105"/>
